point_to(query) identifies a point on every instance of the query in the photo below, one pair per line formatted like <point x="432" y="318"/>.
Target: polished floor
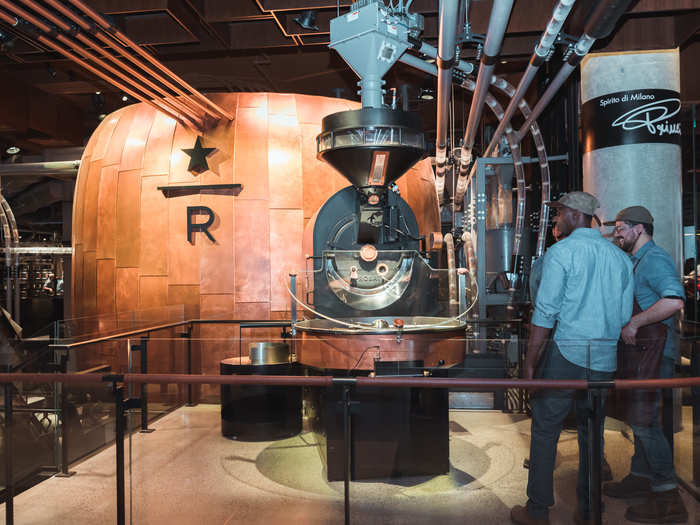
<point x="187" y="473"/>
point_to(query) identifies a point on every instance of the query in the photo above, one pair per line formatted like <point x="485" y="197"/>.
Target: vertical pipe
<point x="347" y="442"/>
<point x="143" y="346"/>
<point x="498" y="21"/>
<point x="559" y="15"/>
<point x="445" y="61"/>
<point x="451" y="275"/>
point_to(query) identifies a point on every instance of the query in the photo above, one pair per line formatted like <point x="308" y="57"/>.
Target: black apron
<point x="641" y="361"/>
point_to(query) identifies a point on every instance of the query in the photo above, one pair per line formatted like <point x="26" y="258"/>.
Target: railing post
<point x="188" y="335"/>
<point x="596" y="394"/>
<point x="347" y="383"/>
<point x="9" y="458"/>
<point x="120" y="414"/>
<point x="62" y="429"/>
<point x="143" y="348"/>
<point x="293" y="305"/>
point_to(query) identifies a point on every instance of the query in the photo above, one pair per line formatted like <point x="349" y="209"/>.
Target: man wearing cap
<point x="587" y="291"/>
<point x="647" y="351"/>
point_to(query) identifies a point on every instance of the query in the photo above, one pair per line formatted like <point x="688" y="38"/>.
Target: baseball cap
<point x="578" y="200"/>
<point x="633" y="214"/>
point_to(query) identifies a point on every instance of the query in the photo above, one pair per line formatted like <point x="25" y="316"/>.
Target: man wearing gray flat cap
<point x="647" y="351"/>
<point x="587" y="291"/>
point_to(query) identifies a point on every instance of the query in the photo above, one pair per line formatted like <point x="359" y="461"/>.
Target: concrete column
<point x="631" y="137"/>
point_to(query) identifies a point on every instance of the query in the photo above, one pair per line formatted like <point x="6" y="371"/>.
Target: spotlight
<point x="12" y="150"/>
<point x="124" y="98"/>
<point x="504" y="61"/>
<point x="98" y="92"/>
<point x="427" y="94"/>
<point x="307" y="20"/>
<point x="101" y="116"/>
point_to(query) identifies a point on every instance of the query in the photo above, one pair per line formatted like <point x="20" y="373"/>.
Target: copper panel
<point x="216" y="259"/>
<point x="252" y="100"/>
<point x="156" y="157"/>
<point x="154" y="227"/>
<point x="220" y="161"/>
<point x="153" y="291"/>
<point x="318" y="177"/>
<point x="127" y="289"/>
<point x="284" y="162"/>
<point x="183" y="257"/>
<point x="252" y="252"/>
<point x="254" y="311"/>
<point x="250" y="154"/>
<point x="216" y="306"/>
<point x="282" y="104"/>
<point x="113" y="154"/>
<point x="135" y="144"/>
<point x="187" y="295"/>
<point x="76" y="282"/>
<point x="92" y="186"/>
<point x="106" y="301"/>
<point x="179" y="160"/>
<point x="104" y="133"/>
<point x="312" y="109"/>
<point x="286" y="231"/>
<point x="78" y="196"/>
<point x="89" y="283"/>
<point x="358" y="352"/>
<point x="128" y="218"/>
<point x="227" y="101"/>
<point x="107" y="213"/>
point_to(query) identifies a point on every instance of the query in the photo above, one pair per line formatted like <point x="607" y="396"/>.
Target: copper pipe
<point x="192" y="111"/>
<point x="195" y="120"/>
<point x="33" y="20"/>
<point x="113" y="43"/>
<point x="130" y="43"/>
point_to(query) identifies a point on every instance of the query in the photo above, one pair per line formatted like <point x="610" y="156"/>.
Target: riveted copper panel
<point x="252" y="252"/>
<point x="284" y="161"/>
<point x="183" y="257"/>
<point x="128" y="218"/>
<point x="79" y="196"/>
<point x="92" y="186"/>
<point x="250" y="153"/>
<point x="153" y="227"/>
<point x="127" y="289"/>
<point x="106" y="299"/>
<point x="217" y="267"/>
<point x="153" y="291"/>
<point x="135" y="144"/>
<point x="284" y="256"/>
<point x="179" y="160"/>
<point x="107" y="213"/>
<point x="113" y="155"/>
<point x="156" y="157"/>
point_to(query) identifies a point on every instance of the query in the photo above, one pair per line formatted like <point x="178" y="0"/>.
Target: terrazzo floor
<point x="187" y="473"/>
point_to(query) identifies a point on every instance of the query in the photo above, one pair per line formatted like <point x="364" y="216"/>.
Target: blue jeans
<point x="652" y="457"/>
<point x="549" y="409"/>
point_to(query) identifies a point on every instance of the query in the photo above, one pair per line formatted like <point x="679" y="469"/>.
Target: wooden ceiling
<point x="256" y="45"/>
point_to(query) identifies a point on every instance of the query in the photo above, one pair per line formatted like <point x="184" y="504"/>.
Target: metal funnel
<point x="371" y="146"/>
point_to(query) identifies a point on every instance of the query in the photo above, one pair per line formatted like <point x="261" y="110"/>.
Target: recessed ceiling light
<point x="101" y="116"/>
<point x="12" y="150"/>
<point x="124" y="98"/>
<point x="98" y="92"/>
<point x="504" y="61"/>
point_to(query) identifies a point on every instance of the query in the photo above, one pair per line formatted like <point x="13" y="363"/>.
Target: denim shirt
<point x="587" y="289"/>
<point x="655" y="276"/>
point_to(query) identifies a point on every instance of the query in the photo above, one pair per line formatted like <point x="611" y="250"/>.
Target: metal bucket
<point x="268" y="353"/>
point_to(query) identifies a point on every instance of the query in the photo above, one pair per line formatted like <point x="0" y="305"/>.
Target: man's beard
<point x="626" y="244"/>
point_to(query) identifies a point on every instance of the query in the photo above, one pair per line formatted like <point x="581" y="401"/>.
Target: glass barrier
<point x="257" y="453"/>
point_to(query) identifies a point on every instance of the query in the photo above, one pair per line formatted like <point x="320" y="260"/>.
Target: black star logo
<point x="198" y="157"/>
